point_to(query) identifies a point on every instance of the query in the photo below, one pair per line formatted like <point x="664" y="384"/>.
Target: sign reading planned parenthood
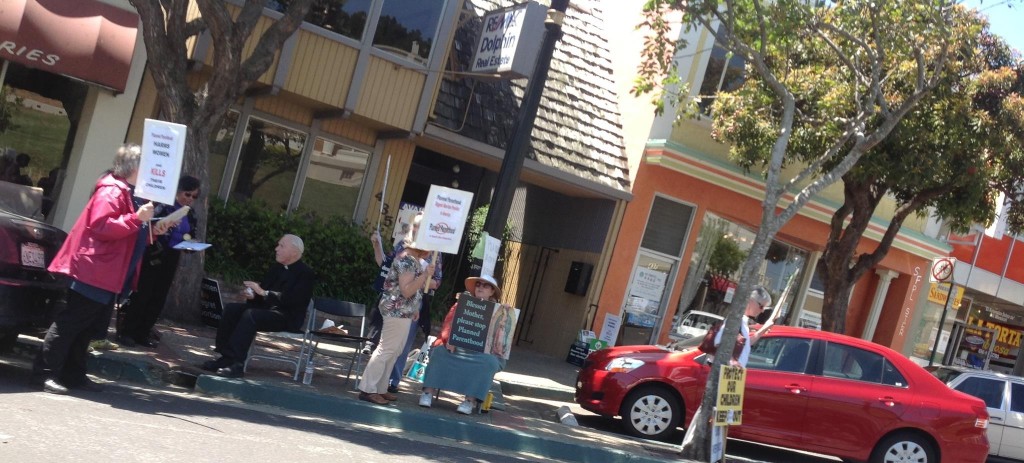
<point x="163" y="148"/>
<point x="444" y="219"/>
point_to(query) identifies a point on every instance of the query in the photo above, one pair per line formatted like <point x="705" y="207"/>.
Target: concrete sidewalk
<point x="524" y="418"/>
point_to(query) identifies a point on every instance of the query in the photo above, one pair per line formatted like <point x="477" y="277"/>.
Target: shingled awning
<point x="84" y="39"/>
<point x="577" y="130"/>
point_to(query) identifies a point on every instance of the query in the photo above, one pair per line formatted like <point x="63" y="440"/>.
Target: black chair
<point x="324" y="307"/>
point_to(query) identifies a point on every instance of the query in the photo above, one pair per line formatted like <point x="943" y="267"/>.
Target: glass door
<point x="644" y="306"/>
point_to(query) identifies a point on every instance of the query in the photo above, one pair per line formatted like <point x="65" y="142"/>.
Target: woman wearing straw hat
<point x="459" y="370"/>
<point x="400" y="306"/>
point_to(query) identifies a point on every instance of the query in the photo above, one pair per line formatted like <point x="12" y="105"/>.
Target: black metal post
<point x="942" y="321"/>
<point x="512" y="164"/>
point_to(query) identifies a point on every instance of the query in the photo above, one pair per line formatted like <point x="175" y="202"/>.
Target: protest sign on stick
<point x="163" y="149"/>
<point x="444" y="219"/>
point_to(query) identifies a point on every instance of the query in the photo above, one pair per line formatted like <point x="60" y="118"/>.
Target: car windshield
<point x="944" y="374"/>
<point x="701" y="321"/>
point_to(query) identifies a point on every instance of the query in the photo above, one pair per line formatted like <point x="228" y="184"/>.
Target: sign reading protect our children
<point x="444" y="219"/>
<point x="483" y="326"/>
<point x="163" y="149"/>
<point x="729" y="403"/>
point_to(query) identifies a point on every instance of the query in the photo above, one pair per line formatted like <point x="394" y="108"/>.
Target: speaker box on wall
<point x="579" y="278"/>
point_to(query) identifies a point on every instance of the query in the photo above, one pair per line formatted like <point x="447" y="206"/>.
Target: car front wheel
<point x="650" y="412"/>
<point x="904" y="448"/>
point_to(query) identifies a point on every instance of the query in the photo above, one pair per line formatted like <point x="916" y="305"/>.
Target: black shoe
<point x="89" y="385"/>
<point x="148" y="343"/>
<point x="53" y="387"/>
<point x="236" y="370"/>
<point x="126" y="341"/>
<point x="214" y="365"/>
<point x="393" y="389"/>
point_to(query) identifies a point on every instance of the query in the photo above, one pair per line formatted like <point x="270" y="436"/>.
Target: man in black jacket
<point x="278" y="303"/>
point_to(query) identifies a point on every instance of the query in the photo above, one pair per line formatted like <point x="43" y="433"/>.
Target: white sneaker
<point x="426" y="400"/>
<point x="465" y="408"/>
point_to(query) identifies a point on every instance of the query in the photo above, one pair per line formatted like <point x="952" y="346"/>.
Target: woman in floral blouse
<point x="400" y="305"/>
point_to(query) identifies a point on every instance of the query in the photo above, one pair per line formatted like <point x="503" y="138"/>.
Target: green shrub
<point x="245" y="233"/>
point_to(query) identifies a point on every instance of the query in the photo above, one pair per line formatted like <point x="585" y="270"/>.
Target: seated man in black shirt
<point x="278" y="303"/>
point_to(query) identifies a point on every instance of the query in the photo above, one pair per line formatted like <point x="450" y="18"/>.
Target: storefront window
<point x="267" y="164"/>
<point x="346" y="17"/>
<point x="335" y="175"/>
<point x="927" y="327"/>
<point x="220" y="147"/>
<point x="36" y="135"/>
<point x="715" y="265"/>
<point x="724" y="73"/>
<point x="408" y="27"/>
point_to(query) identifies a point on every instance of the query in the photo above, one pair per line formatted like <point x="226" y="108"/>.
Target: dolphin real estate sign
<point x="509" y="40"/>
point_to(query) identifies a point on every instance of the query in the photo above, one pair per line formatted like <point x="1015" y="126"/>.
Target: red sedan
<point x="809" y="390"/>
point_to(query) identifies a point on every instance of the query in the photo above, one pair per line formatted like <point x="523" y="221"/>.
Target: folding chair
<point x="295" y="359"/>
<point x="327" y="307"/>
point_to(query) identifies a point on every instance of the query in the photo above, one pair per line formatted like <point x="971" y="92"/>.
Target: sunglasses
<point x="483" y="284"/>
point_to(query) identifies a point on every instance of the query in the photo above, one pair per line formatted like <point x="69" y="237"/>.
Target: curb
<point x="119" y="368"/>
<point x="352" y="411"/>
<point x="560" y="395"/>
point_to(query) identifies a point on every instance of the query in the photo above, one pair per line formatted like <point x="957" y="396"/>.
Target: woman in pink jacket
<point x="95" y="258"/>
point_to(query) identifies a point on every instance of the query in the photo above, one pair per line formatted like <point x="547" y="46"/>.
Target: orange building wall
<point x="905" y="292"/>
<point x="992" y="255"/>
<point x="801" y="231"/>
<point x="860" y="303"/>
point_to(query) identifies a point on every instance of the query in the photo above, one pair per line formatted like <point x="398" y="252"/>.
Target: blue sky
<point x="1006" y="18"/>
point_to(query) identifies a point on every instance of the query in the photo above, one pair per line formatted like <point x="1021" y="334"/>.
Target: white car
<point x="695" y="323"/>
<point x="1004" y="397"/>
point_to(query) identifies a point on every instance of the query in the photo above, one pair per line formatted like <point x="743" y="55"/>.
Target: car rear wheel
<point x="651" y="412"/>
<point x="904" y="448"/>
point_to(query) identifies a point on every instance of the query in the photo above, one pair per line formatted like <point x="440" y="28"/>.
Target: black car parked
<point x="28" y="293"/>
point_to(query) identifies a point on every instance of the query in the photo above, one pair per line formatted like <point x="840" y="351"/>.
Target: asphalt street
<point x="127" y="423"/>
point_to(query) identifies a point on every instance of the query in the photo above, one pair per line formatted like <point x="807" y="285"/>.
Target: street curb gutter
<point x="119" y="368"/>
<point x="509" y="387"/>
<point x="352" y="411"/>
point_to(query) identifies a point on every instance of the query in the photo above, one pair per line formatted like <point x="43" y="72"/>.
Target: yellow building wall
<point x="400" y="153"/>
<point x="321" y="69"/>
<point x="390" y="93"/>
<point x="555" y="316"/>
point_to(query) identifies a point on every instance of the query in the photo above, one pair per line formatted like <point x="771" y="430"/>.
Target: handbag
<point x="707" y="345"/>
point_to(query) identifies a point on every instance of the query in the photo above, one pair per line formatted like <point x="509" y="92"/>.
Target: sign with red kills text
<point x="163" y="148"/>
<point x="444" y="219"/>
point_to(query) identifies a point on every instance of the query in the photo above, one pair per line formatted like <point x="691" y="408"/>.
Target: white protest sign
<point x="163" y="149"/>
<point x="491" y="247"/>
<point x="444" y="219"/>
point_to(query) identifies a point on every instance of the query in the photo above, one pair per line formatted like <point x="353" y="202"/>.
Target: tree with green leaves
<point x="200" y="100"/>
<point x="889" y="55"/>
<point x="946" y="157"/>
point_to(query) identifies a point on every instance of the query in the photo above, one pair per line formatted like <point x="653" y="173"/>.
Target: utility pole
<point x="512" y="163"/>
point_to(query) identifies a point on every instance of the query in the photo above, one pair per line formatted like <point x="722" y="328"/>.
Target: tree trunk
<point x="183" y="299"/>
<point x="699" y="448"/>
